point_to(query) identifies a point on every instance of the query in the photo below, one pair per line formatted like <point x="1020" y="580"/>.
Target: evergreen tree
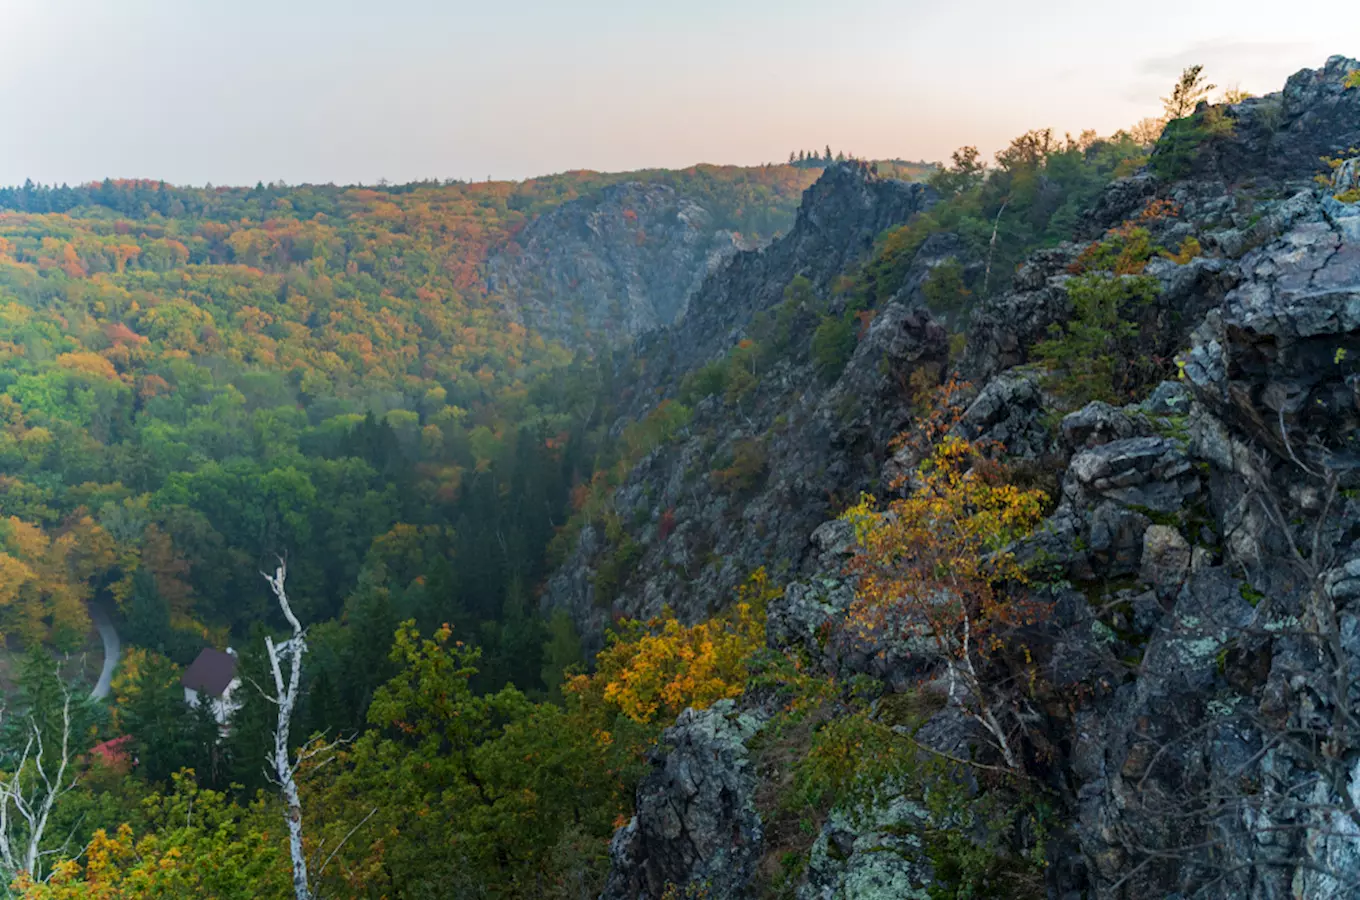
<point x="250" y="733"/>
<point x="158" y="718"/>
<point x="561" y="651"/>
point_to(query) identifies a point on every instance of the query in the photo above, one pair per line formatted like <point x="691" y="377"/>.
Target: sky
<point x="199" y="91"/>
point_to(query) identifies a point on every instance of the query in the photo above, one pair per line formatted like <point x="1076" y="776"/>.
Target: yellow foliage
<point x="14" y="574"/>
<point x="45" y="583"/>
<point x="88" y="364"/>
<point x="1188" y="250"/>
<point x="196" y="844"/>
<point x="928" y="563"/>
<point x="657" y="670"/>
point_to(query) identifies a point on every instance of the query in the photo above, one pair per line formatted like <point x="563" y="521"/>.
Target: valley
<point x="830" y="529"/>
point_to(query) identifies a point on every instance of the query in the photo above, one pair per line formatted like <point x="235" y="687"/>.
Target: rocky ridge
<point x="611" y="266"/>
<point x="1195" y="733"/>
<point x="815" y="440"/>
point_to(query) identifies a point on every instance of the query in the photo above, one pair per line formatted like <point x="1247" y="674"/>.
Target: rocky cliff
<point x="757" y="466"/>
<point x="1186" y="712"/>
<point x="610" y="266"/>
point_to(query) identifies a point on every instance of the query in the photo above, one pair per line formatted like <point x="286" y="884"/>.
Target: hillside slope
<point x="1175" y="715"/>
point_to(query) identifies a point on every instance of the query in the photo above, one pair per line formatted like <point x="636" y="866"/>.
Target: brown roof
<point x="211" y="672"/>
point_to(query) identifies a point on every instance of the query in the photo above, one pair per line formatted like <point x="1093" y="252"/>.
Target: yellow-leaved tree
<point x="192" y="843"/>
<point x="929" y="564"/>
<point x="653" y="671"/>
<point x="45" y="581"/>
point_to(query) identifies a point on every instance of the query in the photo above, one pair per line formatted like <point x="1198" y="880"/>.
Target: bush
<point x="1087" y="355"/>
<point x="1184" y="139"/>
<point x="747" y="469"/>
<point x="704" y="382"/>
<point x="614" y="569"/>
<point x="774" y="328"/>
<point x="734" y="376"/>
<point x="653" y="671"/>
<point x="1188" y="250"/>
<point x="833" y="343"/>
<point x="945" y="290"/>
<point x="658" y="427"/>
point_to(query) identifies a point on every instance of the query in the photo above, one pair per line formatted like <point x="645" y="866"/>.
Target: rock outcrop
<point x="1195" y="733"/>
<point x="696" y="824"/>
<point x="815" y="440"/>
<point x="610" y="267"/>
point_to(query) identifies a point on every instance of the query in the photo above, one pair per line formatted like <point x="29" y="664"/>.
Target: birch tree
<point x="284" y="766"/>
<point x="28" y="796"/>
<point x="927" y="566"/>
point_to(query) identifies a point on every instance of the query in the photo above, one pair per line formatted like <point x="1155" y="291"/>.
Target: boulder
<point x="696" y="824"/>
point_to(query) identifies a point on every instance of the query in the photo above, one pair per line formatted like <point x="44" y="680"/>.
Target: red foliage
<point x="666" y="527"/>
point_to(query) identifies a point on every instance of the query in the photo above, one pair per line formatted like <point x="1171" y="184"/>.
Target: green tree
<point x="1187" y="93"/>
<point x="159" y="719"/>
<point x="1088" y="353"/>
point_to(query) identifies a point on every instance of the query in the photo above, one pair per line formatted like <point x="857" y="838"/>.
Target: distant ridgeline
<point x="901" y="169"/>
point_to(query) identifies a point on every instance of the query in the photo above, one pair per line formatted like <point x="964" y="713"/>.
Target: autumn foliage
<point x="653" y="671"/>
<point x="932" y="563"/>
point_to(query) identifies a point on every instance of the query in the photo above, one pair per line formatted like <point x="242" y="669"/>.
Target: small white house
<point x="213" y="675"/>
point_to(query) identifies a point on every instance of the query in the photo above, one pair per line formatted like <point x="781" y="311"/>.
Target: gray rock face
<point x="1198" y="742"/>
<point x="1285" y="346"/>
<point x="876" y="854"/>
<point x="840" y="217"/>
<point x="696" y="824"/>
<point x="1011" y="410"/>
<point x="821" y="441"/>
<point x="1283" y="135"/>
<point x="1148" y="472"/>
<point x="1100" y="423"/>
<point x="610" y="266"/>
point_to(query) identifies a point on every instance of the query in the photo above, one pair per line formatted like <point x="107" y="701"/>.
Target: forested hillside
<point x="194" y="380"/>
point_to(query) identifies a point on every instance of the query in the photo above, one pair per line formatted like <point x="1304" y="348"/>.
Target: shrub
<point x="653" y="671"/>
<point x="1184" y="139"/>
<point x="704" y="382"/>
<point x="658" y="427"/>
<point x="1086" y="354"/>
<point x="733" y="376"/>
<point x="612" y="573"/>
<point x="747" y="469"/>
<point x="945" y="289"/>
<point x="833" y="343"/>
<point x="774" y="327"/>
<point x="1188" y="250"/>
<point x="741" y="372"/>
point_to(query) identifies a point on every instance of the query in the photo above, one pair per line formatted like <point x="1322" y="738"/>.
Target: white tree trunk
<point x="286" y="697"/>
<point x="27" y="798"/>
<point x="984" y="714"/>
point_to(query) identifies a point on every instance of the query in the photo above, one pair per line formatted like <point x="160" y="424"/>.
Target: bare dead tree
<point x="991" y="246"/>
<point x="285" y="697"/>
<point x="283" y="766"/>
<point x="28" y="796"/>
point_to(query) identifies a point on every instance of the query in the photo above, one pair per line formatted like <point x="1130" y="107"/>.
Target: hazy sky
<point x="194" y="91"/>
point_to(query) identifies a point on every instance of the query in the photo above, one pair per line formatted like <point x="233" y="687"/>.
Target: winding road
<point x="112" y="648"/>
